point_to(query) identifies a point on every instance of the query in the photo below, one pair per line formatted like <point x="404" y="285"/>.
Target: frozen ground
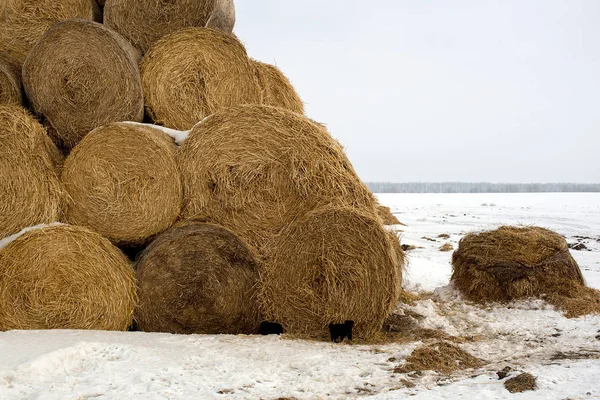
<point x="528" y="336"/>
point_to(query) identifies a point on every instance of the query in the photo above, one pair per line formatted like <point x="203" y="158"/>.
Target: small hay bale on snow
<point x="446" y="247"/>
<point x="198" y="278"/>
<point x="122" y="181"/>
<point x="440" y="357"/>
<point x="276" y="88"/>
<point x="23" y="22"/>
<point x="254" y="169"/>
<point x="65" y="277"/>
<point x="518" y="262"/>
<point x="333" y="265"/>
<point x="10" y="84"/>
<point x="193" y="73"/>
<point x="81" y="75"/>
<point x="30" y="191"/>
<point x="145" y="22"/>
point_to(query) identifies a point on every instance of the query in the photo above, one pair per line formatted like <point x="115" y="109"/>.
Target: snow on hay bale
<point x="10" y="84"/>
<point x="518" y="262"/>
<point x="122" y="181"/>
<point x="333" y="265"/>
<point x="276" y="88"/>
<point x="145" y="22"/>
<point x="254" y="169"/>
<point x="198" y="278"/>
<point x="30" y="191"/>
<point x="65" y="277"/>
<point x="81" y="75"/>
<point x="190" y="74"/>
<point x="23" y="22"/>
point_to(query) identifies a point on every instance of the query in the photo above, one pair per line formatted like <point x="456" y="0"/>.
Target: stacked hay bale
<point x="10" y="84"/>
<point x="277" y="89"/>
<point x="520" y="262"/>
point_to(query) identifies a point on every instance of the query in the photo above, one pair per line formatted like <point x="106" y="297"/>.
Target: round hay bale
<point x="30" y="191"/>
<point x="193" y="73"/>
<point x="81" y="75"/>
<point x="335" y="264"/>
<point x="122" y="181"/>
<point x="276" y="88"/>
<point x="10" y="84"/>
<point x="198" y="278"/>
<point x="512" y="263"/>
<point x="65" y="277"/>
<point x="145" y="22"/>
<point x="23" y="22"/>
<point x="254" y="169"/>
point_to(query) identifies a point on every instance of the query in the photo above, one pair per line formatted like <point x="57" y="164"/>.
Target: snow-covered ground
<point x="528" y="336"/>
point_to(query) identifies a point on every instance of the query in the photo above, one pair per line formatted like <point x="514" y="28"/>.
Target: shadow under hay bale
<point x="519" y="262"/>
<point x="10" y="84"/>
<point x="193" y="73"/>
<point x="254" y="169"/>
<point x="387" y="217"/>
<point x="440" y="357"/>
<point x="145" y="22"/>
<point x="81" y="75"/>
<point x="123" y="182"/>
<point x="521" y="383"/>
<point x="65" y="277"/>
<point x="198" y="278"/>
<point x="24" y="22"/>
<point x="277" y="90"/>
<point x="30" y="191"/>
<point x="333" y="265"/>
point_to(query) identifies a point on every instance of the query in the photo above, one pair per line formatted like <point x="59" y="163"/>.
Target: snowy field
<point x="529" y="336"/>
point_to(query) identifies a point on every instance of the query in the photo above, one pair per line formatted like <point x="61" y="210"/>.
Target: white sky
<point x="438" y="90"/>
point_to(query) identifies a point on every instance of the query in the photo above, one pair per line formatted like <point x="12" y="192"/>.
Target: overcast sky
<point x="438" y="90"/>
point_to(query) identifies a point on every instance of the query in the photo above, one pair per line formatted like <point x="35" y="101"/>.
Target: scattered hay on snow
<point x="122" y="181"/>
<point x="81" y="75"/>
<point x="198" y="278"/>
<point x="440" y="357"/>
<point x="521" y="383"/>
<point x="446" y="247"/>
<point x="276" y="88"/>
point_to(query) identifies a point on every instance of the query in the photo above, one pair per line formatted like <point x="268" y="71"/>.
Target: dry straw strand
<point x="145" y="22"/>
<point x="30" y="191"/>
<point x="193" y="73"/>
<point x="276" y="88"/>
<point x="65" y="277"/>
<point x="123" y="182"/>
<point x="24" y="22"/>
<point x="81" y="75"/>
<point x="335" y="264"/>
<point x="198" y="278"/>
<point x="10" y="84"/>
<point x="254" y="169"/>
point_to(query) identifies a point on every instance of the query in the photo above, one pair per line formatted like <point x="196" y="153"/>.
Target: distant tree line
<point x="480" y="187"/>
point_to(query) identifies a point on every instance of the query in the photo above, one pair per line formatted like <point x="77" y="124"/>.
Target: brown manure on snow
<point x="30" y="191"/>
<point x="122" y="181"/>
<point x="65" y="277"/>
<point x="193" y="73"/>
<point x="10" y="84"/>
<point x="145" y="22"/>
<point x="23" y="22"/>
<point x="276" y="88"/>
<point x="519" y="262"/>
<point x="81" y="75"/>
<point x="198" y="278"/>
<point x="254" y="169"/>
<point x="332" y="265"/>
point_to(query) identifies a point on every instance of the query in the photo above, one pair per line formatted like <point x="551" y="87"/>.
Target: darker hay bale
<point x="123" y="182"/>
<point x="198" y="278"/>
<point x="333" y="265"/>
<point x="276" y="88"/>
<point x="512" y="263"/>
<point x="30" y="192"/>
<point x="440" y="357"/>
<point x="254" y="169"/>
<point x="386" y="215"/>
<point x="143" y="23"/>
<point x="80" y="76"/>
<point x="65" y="277"/>
<point x="193" y="73"/>
<point x="521" y="383"/>
<point x="10" y="84"/>
<point x="23" y="22"/>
